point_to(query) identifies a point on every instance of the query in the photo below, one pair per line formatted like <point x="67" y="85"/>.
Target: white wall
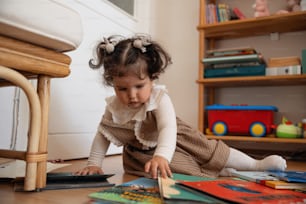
<point x="174" y="24"/>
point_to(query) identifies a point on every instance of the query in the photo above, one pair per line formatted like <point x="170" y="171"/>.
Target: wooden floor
<point x="112" y="165"/>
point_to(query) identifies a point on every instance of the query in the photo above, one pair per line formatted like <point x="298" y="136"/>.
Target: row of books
<point x="245" y="61"/>
<point x="222" y="12"/>
<point x="193" y="189"/>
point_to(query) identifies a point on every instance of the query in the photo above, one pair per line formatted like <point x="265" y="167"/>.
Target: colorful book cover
<point x="246" y="192"/>
<point x="290" y="176"/>
<point x="139" y="191"/>
<point x="173" y="192"/>
<point x="255" y="176"/>
<point x="285" y="185"/>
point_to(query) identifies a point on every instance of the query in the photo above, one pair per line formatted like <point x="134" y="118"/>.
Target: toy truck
<point x="256" y="121"/>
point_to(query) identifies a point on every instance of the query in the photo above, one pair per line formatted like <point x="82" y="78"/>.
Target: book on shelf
<point x="238" y="13"/>
<point x="256" y="70"/>
<point x="284" y="70"/>
<point x="171" y="191"/>
<point x="230" y="52"/>
<point x="289" y="176"/>
<point x="232" y="65"/>
<point x="284" y="66"/>
<point x="249" y="192"/>
<point x="233" y="59"/>
<point x="211" y="15"/>
<point x="284" y="61"/>
<point x="223" y="12"/>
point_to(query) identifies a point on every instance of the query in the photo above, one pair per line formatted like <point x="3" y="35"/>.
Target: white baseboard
<point x="73" y="146"/>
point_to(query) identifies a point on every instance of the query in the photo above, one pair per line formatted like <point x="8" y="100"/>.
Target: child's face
<point x="133" y="91"/>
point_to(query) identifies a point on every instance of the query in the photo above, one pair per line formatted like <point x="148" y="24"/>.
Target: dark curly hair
<point x="125" y="57"/>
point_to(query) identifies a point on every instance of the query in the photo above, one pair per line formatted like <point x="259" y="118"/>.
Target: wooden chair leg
<point x="43" y="89"/>
<point x="31" y="154"/>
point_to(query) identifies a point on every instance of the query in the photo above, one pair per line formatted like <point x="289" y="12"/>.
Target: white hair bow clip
<point x="110" y="43"/>
<point x="141" y="41"/>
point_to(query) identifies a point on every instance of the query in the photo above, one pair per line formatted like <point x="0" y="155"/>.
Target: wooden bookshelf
<point x="209" y="34"/>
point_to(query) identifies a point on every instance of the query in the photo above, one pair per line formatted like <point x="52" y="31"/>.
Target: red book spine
<point x="239" y="13"/>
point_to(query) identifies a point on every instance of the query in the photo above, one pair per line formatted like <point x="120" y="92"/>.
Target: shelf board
<point x="258" y="139"/>
<point x="285" y="80"/>
<point x="291" y="22"/>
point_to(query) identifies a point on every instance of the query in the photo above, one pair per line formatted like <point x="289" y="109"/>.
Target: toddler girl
<point x="141" y="118"/>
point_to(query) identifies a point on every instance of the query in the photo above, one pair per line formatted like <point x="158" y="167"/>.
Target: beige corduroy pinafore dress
<point x="194" y="153"/>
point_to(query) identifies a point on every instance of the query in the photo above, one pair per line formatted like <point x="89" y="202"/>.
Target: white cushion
<point x="43" y="22"/>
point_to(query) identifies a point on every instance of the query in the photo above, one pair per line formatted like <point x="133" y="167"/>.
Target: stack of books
<point x="183" y="188"/>
<point x="233" y="62"/>
<point x="294" y="180"/>
<point x="284" y="66"/>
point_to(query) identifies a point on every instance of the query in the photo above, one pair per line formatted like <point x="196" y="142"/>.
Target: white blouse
<point x="161" y="103"/>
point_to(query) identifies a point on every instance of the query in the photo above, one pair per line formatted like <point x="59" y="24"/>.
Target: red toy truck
<point x="241" y="119"/>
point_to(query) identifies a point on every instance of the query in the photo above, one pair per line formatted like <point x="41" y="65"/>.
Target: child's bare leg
<point x="241" y="161"/>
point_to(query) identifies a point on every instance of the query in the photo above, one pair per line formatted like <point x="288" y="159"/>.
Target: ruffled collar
<point x="122" y="114"/>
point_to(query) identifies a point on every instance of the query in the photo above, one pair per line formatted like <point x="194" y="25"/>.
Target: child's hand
<point x="89" y="170"/>
<point x="158" y="163"/>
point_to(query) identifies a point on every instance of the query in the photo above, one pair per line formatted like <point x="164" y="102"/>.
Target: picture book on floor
<point x="255" y="176"/>
<point x="162" y="190"/>
<point x="140" y="191"/>
<point x="245" y="192"/>
<point x="171" y="191"/>
<point x="290" y="176"/>
<point x="286" y="185"/>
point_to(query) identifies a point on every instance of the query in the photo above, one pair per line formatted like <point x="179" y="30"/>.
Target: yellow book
<point x="285" y="185"/>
